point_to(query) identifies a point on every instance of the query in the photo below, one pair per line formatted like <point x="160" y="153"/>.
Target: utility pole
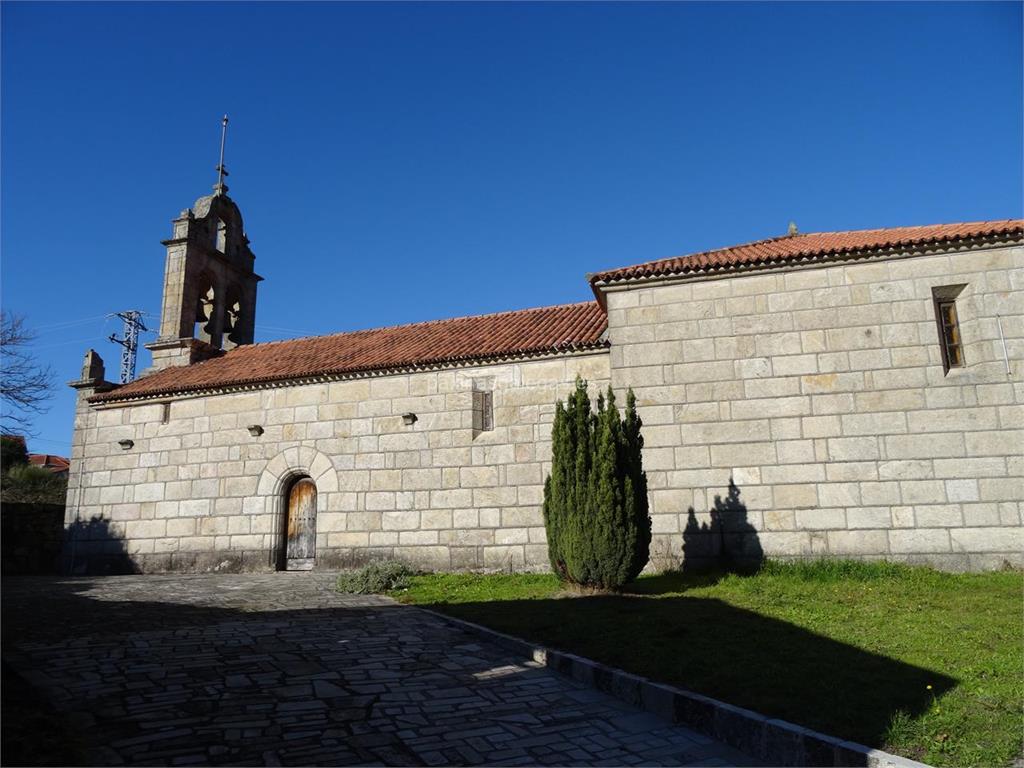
<point x="132" y="326"/>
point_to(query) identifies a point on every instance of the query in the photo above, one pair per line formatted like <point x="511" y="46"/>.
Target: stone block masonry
<point x="198" y="492"/>
<point x="801" y="409"/>
<point x="821" y="393"/>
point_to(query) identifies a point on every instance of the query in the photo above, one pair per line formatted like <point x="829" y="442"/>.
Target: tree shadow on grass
<point x="738" y="656"/>
<point x="673" y="582"/>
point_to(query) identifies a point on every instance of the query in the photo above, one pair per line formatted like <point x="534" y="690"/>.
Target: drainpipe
<point x="1002" y="340"/>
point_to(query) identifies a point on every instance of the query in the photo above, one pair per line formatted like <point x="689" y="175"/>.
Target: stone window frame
<point x="947" y="321"/>
<point x="483" y="405"/>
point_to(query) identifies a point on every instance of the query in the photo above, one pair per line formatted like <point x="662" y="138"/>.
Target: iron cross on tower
<point x="221" y="187"/>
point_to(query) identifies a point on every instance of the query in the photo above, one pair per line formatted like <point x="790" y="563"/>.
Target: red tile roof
<point x="49" y="461"/>
<point x="811" y="246"/>
<point x="479" y="338"/>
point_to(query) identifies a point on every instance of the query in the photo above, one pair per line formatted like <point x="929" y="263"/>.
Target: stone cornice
<point x="100" y="385"/>
<point x="207" y="250"/>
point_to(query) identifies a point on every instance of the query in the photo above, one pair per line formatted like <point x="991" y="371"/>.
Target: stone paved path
<point x="277" y="669"/>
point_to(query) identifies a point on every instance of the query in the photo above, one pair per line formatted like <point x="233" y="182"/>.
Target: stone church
<point x="853" y="394"/>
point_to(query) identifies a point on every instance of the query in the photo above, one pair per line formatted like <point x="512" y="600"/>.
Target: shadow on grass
<point x="710" y="647"/>
<point x="674" y="582"/>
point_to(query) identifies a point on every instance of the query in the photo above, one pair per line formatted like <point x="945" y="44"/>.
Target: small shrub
<point x="375" y="578"/>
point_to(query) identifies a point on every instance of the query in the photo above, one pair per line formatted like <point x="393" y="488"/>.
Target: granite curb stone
<point x="776" y="742"/>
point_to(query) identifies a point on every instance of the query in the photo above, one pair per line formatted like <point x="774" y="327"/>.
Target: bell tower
<point x="209" y="301"/>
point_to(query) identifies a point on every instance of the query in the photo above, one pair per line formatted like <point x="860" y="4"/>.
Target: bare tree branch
<point x="25" y="385"/>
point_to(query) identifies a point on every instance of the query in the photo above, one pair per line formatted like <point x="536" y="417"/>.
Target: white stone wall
<point x="199" y="492"/>
<point x="821" y="393"/>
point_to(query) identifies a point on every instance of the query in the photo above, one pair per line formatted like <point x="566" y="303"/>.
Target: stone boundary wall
<point x="821" y="393"/>
<point x="200" y="493"/>
<point x="32" y="536"/>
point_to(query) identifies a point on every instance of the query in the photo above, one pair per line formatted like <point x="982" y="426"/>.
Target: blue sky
<point x="401" y="162"/>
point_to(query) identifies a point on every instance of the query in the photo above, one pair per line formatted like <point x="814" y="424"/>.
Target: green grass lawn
<point x="925" y="664"/>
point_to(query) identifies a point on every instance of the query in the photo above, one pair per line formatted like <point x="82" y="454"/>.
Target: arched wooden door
<point x="300" y="539"/>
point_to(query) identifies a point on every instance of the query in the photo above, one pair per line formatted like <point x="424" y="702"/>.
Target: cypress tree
<point x="555" y="491"/>
<point x="637" y="509"/>
<point x="595" y="499"/>
<point x="578" y="510"/>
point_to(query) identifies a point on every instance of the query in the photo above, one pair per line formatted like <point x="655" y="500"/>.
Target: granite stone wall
<point x="199" y="492"/>
<point x="807" y="412"/>
<point x="796" y="412"/>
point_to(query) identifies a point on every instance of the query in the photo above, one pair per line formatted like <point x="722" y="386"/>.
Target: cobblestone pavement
<point x="277" y="669"/>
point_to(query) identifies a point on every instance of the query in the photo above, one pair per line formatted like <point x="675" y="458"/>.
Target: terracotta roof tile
<point x="481" y="337"/>
<point x="787" y="248"/>
<point x="49" y="461"/>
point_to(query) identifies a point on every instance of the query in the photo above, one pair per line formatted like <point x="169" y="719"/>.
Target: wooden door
<point x="300" y="549"/>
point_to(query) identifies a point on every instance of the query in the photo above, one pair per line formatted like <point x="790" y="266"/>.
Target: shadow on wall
<point x="93" y="548"/>
<point x="729" y="543"/>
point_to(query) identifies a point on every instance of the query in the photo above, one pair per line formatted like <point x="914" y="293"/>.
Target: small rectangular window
<point x="950" y="341"/>
<point x="165" y="414"/>
<point x="951" y="345"/>
<point x="483" y="411"/>
<point x="488" y="411"/>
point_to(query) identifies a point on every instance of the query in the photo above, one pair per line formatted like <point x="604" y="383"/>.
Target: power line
<point x="47" y="440"/>
<point x="63" y="343"/>
<point x="285" y="330"/>
<point x="69" y="323"/>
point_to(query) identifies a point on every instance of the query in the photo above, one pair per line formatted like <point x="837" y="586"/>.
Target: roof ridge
<point x="418" y="323"/>
<point x="991" y="224"/>
<point x="762" y="241"/>
<point x="903" y="226"/>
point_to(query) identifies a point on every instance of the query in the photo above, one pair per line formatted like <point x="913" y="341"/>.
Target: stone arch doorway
<point x="298" y="551"/>
<point x="270" y="501"/>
